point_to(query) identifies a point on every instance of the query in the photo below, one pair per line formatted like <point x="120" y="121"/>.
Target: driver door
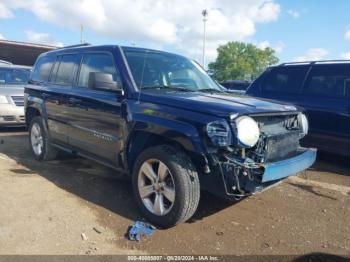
<point x="95" y="115"/>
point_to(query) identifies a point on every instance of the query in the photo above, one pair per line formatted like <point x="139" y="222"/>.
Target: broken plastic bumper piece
<point x="289" y="167"/>
<point x="138" y="229"/>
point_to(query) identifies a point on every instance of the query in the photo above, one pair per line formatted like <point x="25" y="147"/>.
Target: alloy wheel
<point x="156" y="187"/>
<point x="36" y="139"/>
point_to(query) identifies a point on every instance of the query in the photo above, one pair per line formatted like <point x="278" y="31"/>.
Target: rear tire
<point x="39" y="141"/>
<point x="166" y="186"/>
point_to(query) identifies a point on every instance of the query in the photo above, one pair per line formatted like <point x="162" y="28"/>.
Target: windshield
<point x="10" y="76"/>
<point x="157" y="70"/>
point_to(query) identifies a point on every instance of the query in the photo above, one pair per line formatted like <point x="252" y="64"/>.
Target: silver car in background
<point x="12" y="81"/>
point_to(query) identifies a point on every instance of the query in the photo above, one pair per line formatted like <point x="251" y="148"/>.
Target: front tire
<point x="39" y="141"/>
<point x="166" y="186"/>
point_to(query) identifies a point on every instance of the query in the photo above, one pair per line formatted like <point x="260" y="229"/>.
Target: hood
<point x="10" y="90"/>
<point x="218" y="104"/>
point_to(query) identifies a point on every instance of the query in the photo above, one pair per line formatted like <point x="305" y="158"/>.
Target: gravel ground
<point x="56" y="208"/>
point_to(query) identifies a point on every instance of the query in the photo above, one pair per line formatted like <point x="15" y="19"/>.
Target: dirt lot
<point x="46" y="207"/>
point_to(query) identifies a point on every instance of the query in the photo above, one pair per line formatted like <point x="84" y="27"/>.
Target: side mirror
<point x="104" y="82"/>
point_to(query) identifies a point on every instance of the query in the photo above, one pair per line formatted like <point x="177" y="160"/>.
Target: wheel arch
<point x="140" y="140"/>
<point x="34" y="107"/>
<point x="31" y="112"/>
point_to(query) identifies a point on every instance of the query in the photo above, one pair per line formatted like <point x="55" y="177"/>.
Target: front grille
<point x="18" y="100"/>
<point x="8" y="118"/>
<point x="22" y="118"/>
<point x="283" y="146"/>
<point x="279" y="138"/>
<point x="277" y="124"/>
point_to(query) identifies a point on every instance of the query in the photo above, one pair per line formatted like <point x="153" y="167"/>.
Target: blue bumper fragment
<point x="289" y="167"/>
<point x="138" y="229"/>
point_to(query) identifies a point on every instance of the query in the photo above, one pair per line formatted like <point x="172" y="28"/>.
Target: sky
<point x="298" y="30"/>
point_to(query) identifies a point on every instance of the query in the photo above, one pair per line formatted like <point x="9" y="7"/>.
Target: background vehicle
<point x="12" y="81"/>
<point x="161" y="118"/>
<point x="323" y="89"/>
<point x="239" y="86"/>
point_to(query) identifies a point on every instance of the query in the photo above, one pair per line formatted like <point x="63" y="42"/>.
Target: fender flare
<point x="38" y="104"/>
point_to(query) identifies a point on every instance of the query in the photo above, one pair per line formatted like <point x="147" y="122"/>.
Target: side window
<point x="97" y="63"/>
<point x="328" y="80"/>
<point x="65" y="70"/>
<point x="286" y="80"/>
<point x="42" y="69"/>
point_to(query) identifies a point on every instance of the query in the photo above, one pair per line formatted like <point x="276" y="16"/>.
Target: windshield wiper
<point x="176" y="88"/>
<point x="210" y="90"/>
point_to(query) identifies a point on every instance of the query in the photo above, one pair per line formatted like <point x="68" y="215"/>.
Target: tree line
<point x="241" y="61"/>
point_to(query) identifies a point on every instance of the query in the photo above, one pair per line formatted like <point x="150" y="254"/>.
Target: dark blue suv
<point x="160" y="118"/>
<point x="323" y="89"/>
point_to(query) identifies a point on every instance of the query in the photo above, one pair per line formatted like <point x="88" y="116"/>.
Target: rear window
<point x="328" y="80"/>
<point x="11" y="76"/>
<point x="286" y="80"/>
<point x="42" y="69"/>
<point x="66" y="70"/>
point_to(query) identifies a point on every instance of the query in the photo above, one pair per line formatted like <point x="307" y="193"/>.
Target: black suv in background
<point x="323" y="89"/>
<point x="160" y="118"/>
<point x="236" y="85"/>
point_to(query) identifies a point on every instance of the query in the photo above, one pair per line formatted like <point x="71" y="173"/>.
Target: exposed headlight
<point x="304" y="123"/>
<point x="248" y="131"/>
<point x="219" y="133"/>
<point x="3" y="100"/>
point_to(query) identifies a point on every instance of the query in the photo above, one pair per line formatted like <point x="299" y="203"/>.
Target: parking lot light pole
<point x="82" y="34"/>
<point x="205" y="18"/>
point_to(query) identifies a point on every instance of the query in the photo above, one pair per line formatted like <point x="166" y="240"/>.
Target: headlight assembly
<point x="3" y="100"/>
<point x="304" y="124"/>
<point x="219" y="133"/>
<point x="248" y="132"/>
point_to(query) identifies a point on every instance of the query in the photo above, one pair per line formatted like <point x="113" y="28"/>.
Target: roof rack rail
<point x="317" y="62"/>
<point x="297" y="63"/>
<point x="78" y="45"/>
<point x="333" y="61"/>
<point x="5" y="62"/>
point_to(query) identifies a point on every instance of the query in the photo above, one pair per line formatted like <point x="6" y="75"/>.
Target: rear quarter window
<point x="42" y="69"/>
<point x="284" y="80"/>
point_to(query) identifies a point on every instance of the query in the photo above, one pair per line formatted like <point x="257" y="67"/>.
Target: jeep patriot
<point x="159" y="118"/>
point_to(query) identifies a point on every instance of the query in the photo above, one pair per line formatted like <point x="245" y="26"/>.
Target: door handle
<point x="73" y="100"/>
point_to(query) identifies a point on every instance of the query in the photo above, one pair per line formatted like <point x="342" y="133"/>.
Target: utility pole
<point x="82" y="34"/>
<point x="205" y="18"/>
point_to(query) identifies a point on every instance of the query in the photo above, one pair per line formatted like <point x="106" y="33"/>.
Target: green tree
<point x="241" y="61"/>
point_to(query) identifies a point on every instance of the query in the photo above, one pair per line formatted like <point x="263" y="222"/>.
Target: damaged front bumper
<point x="241" y="178"/>
<point x="289" y="167"/>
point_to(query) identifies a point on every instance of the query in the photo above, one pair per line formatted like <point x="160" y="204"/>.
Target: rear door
<point x="50" y="95"/>
<point x="326" y="96"/>
<point x="60" y="83"/>
<point x="95" y="115"/>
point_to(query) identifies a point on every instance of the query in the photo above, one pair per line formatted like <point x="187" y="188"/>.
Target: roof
<point x="22" y="53"/>
<point x="27" y="44"/>
<point x="87" y="46"/>
<point x="15" y="66"/>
